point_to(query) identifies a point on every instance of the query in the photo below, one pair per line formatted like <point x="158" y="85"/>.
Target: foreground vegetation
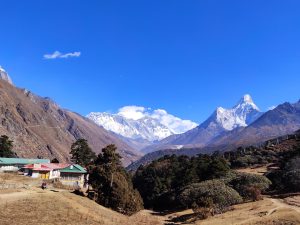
<point x="207" y="184"/>
<point x="204" y="183"/>
<point x="31" y="205"/>
<point x="108" y="178"/>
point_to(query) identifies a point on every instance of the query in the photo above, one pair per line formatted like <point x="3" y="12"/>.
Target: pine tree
<point x="113" y="184"/>
<point x="6" y="146"/>
<point x="81" y="153"/>
<point x="55" y="160"/>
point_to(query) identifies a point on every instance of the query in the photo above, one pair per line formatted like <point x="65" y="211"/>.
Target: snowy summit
<point x="4" y="76"/>
<point x="241" y="115"/>
<point x="136" y="122"/>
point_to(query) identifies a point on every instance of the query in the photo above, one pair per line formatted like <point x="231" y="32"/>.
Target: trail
<point x="281" y="204"/>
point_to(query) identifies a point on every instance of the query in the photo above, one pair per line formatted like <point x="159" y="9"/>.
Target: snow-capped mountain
<point x="143" y="128"/>
<point x="4" y="76"/>
<point x="221" y="121"/>
<point x="241" y="115"/>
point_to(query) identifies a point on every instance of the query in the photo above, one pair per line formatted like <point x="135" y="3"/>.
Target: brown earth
<point x="39" y="127"/>
<point x="31" y="205"/>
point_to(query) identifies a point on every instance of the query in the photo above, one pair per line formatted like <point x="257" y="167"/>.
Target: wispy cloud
<point x="57" y="55"/>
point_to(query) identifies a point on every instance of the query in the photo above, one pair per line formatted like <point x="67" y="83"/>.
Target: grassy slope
<point x="31" y="205"/>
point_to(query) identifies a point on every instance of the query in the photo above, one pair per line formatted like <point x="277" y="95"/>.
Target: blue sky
<point x="187" y="57"/>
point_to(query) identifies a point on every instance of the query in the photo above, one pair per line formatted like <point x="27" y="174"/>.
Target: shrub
<point x="250" y="186"/>
<point x="212" y="194"/>
<point x="253" y="193"/>
<point x="160" y="182"/>
<point x="291" y="174"/>
<point x="201" y="212"/>
<point x="287" y="179"/>
<point x="291" y="180"/>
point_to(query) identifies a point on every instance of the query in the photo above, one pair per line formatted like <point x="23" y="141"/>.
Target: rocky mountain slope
<point x="39" y="127"/>
<point x="284" y="119"/>
<point x="283" y="143"/>
<point x="221" y="121"/>
<point x="5" y="76"/>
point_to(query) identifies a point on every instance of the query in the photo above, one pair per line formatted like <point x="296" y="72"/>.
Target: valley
<point x="149" y="112"/>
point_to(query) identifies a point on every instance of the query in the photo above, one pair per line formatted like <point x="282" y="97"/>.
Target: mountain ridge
<point x="4" y="76"/>
<point x="39" y="127"/>
<point x="145" y="128"/>
<point x="221" y="121"/>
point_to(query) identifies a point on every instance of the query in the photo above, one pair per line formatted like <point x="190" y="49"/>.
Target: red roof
<point x="46" y="166"/>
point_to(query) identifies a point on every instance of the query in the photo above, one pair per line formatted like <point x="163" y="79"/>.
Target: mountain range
<point x="282" y="120"/>
<point x="141" y="127"/>
<point x="39" y="127"/>
<point x="144" y="128"/>
<point x="220" y="122"/>
<point x="243" y="124"/>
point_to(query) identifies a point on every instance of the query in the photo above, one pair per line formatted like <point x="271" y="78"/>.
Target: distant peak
<point x="220" y="109"/>
<point x="4" y="76"/>
<point x="247" y="99"/>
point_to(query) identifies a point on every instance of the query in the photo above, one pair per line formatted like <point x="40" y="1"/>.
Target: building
<point x="44" y="170"/>
<point x="73" y="175"/>
<point x="67" y="174"/>
<point x="14" y="164"/>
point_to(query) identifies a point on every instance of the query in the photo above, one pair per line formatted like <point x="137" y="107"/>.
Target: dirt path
<point x="281" y="204"/>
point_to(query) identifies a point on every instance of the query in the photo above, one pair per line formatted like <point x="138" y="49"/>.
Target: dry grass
<point x="59" y="207"/>
<point x="255" y="170"/>
<point x="62" y="208"/>
<point x="262" y="212"/>
<point x="13" y="178"/>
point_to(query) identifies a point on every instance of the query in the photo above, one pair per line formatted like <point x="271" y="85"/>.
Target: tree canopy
<point x="113" y="184"/>
<point x="160" y="182"/>
<point x="81" y="153"/>
<point x="6" y="147"/>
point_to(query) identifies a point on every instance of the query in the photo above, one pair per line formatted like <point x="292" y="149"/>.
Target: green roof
<point x="21" y="161"/>
<point x="73" y="169"/>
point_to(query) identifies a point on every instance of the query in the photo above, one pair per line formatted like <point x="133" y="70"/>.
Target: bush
<point x="253" y="193"/>
<point x="211" y="194"/>
<point x="160" y="182"/>
<point x="291" y="180"/>
<point x="250" y="186"/>
<point x="291" y="174"/>
<point x="287" y="179"/>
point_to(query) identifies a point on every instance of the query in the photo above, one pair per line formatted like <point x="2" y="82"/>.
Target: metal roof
<point x="22" y="161"/>
<point x="46" y="166"/>
<point x="75" y="168"/>
<point x="65" y="168"/>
